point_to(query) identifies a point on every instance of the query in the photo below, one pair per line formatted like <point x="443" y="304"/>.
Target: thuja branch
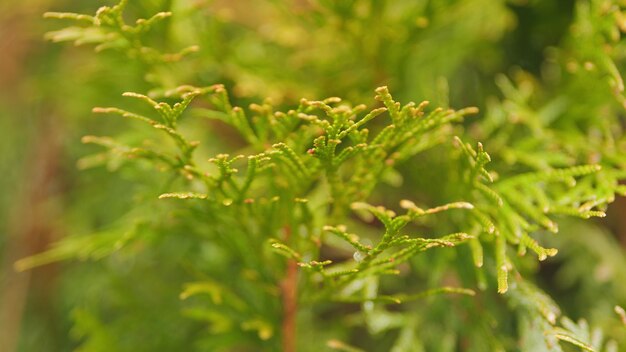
<point x="311" y="150"/>
<point x="512" y="209"/>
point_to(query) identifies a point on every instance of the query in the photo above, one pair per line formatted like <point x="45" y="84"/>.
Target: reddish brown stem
<point x="289" y="291"/>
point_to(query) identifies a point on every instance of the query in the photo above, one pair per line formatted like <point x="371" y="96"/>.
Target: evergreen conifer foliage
<point x="287" y="228"/>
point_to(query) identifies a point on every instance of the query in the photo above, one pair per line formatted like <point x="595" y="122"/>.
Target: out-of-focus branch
<point x="30" y="232"/>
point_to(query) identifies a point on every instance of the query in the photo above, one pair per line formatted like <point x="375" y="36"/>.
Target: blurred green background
<point x="449" y="52"/>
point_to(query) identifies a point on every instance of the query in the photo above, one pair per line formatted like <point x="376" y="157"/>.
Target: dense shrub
<point x="250" y="208"/>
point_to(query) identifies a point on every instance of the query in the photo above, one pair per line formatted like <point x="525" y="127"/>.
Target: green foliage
<point x="108" y="30"/>
<point x="244" y="202"/>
